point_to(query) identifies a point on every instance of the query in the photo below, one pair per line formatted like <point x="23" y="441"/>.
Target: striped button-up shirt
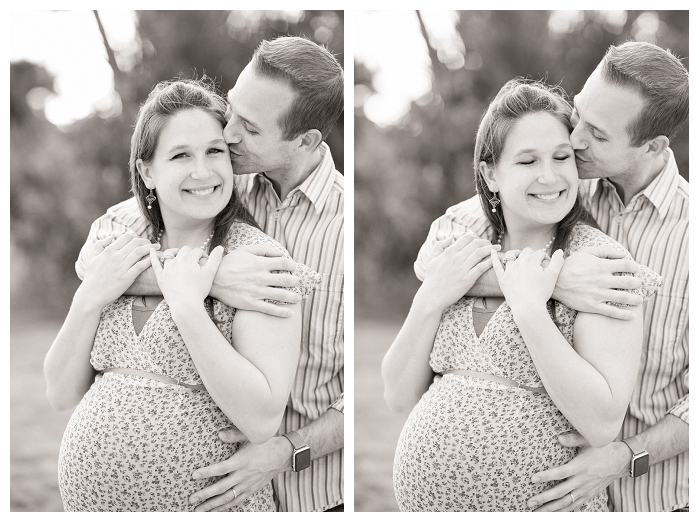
<point x="309" y="223"/>
<point x="654" y="228"/>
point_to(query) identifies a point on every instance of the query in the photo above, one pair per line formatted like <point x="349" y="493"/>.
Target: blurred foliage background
<point x="61" y="179"/>
<point x="409" y="172"/>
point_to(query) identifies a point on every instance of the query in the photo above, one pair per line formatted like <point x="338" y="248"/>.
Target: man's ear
<point x="657" y="145"/>
<point x="144" y="171"/>
<point x="310" y="140"/>
<point x="488" y="174"/>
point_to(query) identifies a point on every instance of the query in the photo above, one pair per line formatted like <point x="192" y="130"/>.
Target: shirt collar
<point x="317" y="186"/>
<point x="660" y="191"/>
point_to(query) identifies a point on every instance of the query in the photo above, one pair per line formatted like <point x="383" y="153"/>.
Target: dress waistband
<point x="495" y="378"/>
<point x="155" y="377"/>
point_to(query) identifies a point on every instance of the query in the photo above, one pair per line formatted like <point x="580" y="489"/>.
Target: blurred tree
<point x="408" y="174"/>
<point x="63" y="179"/>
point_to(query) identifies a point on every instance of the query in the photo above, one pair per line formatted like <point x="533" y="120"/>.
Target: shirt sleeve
<point x="119" y="219"/>
<point x="339" y="404"/>
<point x="681" y="408"/>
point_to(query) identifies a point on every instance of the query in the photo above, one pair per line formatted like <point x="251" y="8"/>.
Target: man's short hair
<point x="313" y="73"/>
<point x="660" y="79"/>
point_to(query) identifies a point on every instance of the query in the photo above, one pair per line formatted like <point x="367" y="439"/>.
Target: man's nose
<point x="230" y="133"/>
<point x="576" y="139"/>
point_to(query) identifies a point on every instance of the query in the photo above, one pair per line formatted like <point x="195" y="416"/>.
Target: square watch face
<point x="303" y="459"/>
<point x="640" y="465"/>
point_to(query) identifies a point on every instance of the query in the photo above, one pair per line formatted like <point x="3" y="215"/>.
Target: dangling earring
<point x="494" y="202"/>
<point x="151" y="197"/>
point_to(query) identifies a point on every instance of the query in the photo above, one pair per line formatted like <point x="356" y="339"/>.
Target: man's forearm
<point x="324" y="435"/>
<point x="667" y="438"/>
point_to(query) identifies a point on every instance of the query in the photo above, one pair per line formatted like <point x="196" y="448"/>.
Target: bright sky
<point x="389" y="43"/>
<point x="69" y="45"/>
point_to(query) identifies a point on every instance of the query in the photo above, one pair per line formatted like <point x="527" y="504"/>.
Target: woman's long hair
<point x="165" y="101"/>
<point x="517" y="98"/>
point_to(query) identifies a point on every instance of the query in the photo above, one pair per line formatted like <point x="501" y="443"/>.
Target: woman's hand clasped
<point x="453" y="271"/>
<point x="113" y="267"/>
<point x="525" y="281"/>
<point x="186" y="278"/>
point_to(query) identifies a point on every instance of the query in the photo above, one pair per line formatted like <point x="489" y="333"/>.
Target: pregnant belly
<point x="133" y="444"/>
<point x="469" y="445"/>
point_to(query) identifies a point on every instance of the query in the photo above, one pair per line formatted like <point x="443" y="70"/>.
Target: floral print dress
<point x="472" y="444"/>
<point x="133" y="443"/>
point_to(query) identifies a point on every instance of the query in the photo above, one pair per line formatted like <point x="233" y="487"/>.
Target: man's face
<point x="602" y="115"/>
<point x="256" y="106"/>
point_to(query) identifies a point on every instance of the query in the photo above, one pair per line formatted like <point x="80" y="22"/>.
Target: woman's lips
<point x="202" y="192"/>
<point x="548" y="196"/>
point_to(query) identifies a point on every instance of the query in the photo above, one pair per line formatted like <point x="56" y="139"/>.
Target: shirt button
<point x="619" y="219"/>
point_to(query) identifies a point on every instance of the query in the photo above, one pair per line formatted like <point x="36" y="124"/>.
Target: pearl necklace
<point x="546" y="248"/>
<point x="203" y="247"/>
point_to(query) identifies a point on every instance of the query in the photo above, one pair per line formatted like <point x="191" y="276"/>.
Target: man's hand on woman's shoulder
<point x="588" y="282"/>
<point x="252" y="275"/>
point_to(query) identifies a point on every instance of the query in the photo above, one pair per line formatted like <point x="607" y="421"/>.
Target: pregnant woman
<point x="513" y="372"/>
<point x="157" y="378"/>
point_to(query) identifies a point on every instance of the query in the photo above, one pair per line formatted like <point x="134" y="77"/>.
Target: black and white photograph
<point x="515" y="263"/>
<point x="521" y="261"/>
<point x="177" y="276"/>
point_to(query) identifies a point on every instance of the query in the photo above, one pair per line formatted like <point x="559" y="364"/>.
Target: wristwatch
<point x="301" y="458"/>
<point x="640" y="460"/>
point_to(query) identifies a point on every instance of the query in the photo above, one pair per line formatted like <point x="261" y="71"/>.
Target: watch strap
<point x="296" y="441"/>
<point x="634" y="445"/>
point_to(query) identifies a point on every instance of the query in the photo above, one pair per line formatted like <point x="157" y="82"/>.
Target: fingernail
<point x="194" y="500"/>
<point x="532" y="504"/>
<point x="196" y="476"/>
<point x="536" y="479"/>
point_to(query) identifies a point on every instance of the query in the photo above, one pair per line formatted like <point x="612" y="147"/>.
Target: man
<point x="282" y="107"/>
<point x="624" y="118"/>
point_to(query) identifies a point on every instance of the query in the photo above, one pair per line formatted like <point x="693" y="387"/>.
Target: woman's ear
<point x="145" y="174"/>
<point x="488" y="174"/>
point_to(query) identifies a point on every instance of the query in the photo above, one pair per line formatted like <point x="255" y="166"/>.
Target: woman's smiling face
<point x="191" y="169"/>
<point x="535" y="177"/>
